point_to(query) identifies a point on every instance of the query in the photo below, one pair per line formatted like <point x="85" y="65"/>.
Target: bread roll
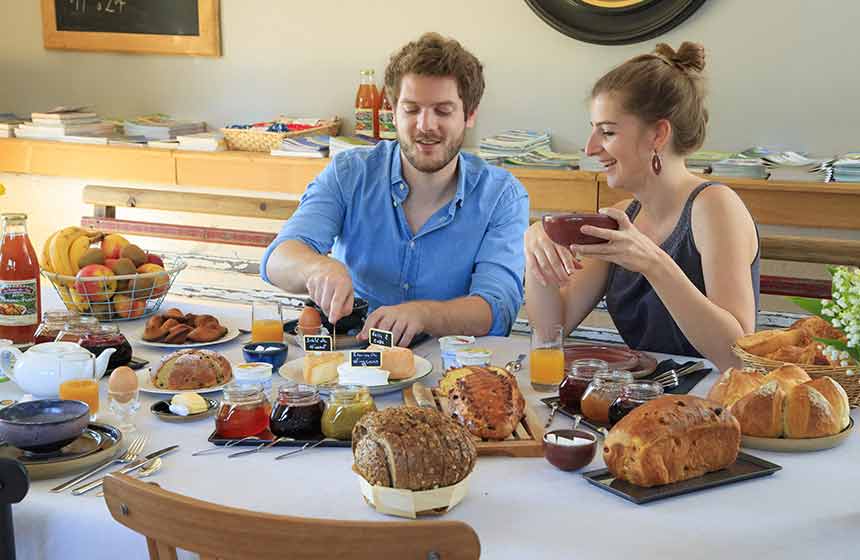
<point x="412" y="448"/>
<point x="760" y="413"/>
<point x="191" y="369"/>
<point x="815" y="409"/>
<point x="788" y="376"/>
<point x="763" y="343"/>
<point x="733" y="384"/>
<point x="672" y="438"/>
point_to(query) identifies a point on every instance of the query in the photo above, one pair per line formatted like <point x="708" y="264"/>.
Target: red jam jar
<point x="574" y="384"/>
<point x="298" y="412"/>
<point x="106" y="336"/>
<point x="633" y="395"/>
<point x="244" y="412"/>
<point x="564" y="229"/>
<point x="53" y="322"/>
<point x="602" y="392"/>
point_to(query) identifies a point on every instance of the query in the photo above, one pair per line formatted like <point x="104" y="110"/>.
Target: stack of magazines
<point x="202" y="142"/>
<point x="304" y="146"/>
<point x="8" y="123"/>
<point x="161" y="127"/>
<point x="512" y="144"/>
<point x="740" y="167"/>
<point x="70" y="124"/>
<point x="792" y="166"/>
<point x="339" y="144"/>
<point x="846" y="169"/>
<point x="703" y="160"/>
<point x="544" y="158"/>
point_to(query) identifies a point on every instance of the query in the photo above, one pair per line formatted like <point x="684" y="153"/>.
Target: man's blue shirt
<point x="472" y="246"/>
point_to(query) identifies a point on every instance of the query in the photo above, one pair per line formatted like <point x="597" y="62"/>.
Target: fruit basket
<point x="121" y="297"/>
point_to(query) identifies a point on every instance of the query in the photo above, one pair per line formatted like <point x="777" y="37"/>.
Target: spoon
<point x="515" y="365"/>
<point x="146" y="471"/>
<point x="553" y="409"/>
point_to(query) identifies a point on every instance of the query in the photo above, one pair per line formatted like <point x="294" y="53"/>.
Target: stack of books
<point x="304" y="146"/>
<point x="703" y="160"/>
<point x="202" y="142"/>
<point x="8" y="123"/>
<point x="161" y="127"/>
<point x="793" y="166"/>
<point x="846" y="169"/>
<point x="512" y="144"/>
<point x="66" y="125"/>
<point x="339" y="144"/>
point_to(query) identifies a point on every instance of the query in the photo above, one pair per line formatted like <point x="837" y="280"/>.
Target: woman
<point x="681" y="274"/>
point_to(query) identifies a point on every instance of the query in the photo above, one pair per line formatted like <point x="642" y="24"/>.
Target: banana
<point x="78" y="300"/>
<point x="60" y="250"/>
<point x="77" y="249"/>
<point x="46" y="254"/>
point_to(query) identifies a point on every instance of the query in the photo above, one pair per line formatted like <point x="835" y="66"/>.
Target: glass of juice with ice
<point x="267" y="322"/>
<point x="546" y="363"/>
<point x="78" y="381"/>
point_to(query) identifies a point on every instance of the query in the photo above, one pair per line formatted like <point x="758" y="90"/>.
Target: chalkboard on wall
<point x="141" y="26"/>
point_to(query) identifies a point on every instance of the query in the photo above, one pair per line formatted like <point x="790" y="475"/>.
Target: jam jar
<point x="105" y="336"/>
<point x="347" y="404"/>
<point x="244" y="412"/>
<point x="601" y="392"/>
<point x="53" y="322"/>
<point x="574" y="384"/>
<point x="632" y="395"/>
<point x="297" y="412"/>
<point x="77" y="327"/>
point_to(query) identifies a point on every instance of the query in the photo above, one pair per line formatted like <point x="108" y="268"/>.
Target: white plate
<point x="293" y="370"/>
<point x="232" y="332"/>
<point x="798" y="444"/>
<point x="146" y="385"/>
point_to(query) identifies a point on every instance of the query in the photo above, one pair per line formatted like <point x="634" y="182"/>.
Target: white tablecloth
<point x="520" y="508"/>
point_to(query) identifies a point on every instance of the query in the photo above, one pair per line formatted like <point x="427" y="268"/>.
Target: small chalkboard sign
<point x="319" y="343"/>
<point x="382" y="338"/>
<point x="144" y="26"/>
<point x="365" y="358"/>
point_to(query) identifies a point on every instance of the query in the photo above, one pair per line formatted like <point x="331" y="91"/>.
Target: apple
<point x="94" y="289"/>
<point x="126" y="308"/>
<point x="113" y="244"/>
<point x="152" y="258"/>
<point x="159" y="283"/>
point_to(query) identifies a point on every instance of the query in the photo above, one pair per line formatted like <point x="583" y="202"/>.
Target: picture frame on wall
<point x="181" y="27"/>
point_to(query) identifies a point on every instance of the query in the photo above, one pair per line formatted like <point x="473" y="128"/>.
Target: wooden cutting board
<point x="526" y="441"/>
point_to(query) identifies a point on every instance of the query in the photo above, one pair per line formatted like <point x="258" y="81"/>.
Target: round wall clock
<point x="614" y="22"/>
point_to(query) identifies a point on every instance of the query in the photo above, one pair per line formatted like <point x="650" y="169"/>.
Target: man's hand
<point x="330" y="286"/>
<point x="404" y="321"/>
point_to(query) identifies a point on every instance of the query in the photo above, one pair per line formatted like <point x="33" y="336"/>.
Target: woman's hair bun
<point x="689" y="58"/>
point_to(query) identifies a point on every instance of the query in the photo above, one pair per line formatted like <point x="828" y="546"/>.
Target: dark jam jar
<point x="633" y="395"/>
<point x="298" y="412"/>
<point x="574" y="384"/>
<point x="244" y="412"/>
<point x="103" y="337"/>
<point x="53" y="322"/>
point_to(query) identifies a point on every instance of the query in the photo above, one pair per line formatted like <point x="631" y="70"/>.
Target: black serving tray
<point x="570" y="413"/>
<point x="745" y="467"/>
<point x="268" y="437"/>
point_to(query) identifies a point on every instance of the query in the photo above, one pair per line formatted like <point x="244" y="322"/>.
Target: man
<point x="430" y="237"/>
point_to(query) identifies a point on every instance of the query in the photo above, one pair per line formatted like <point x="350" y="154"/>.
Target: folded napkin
<point x="687" y="382"/>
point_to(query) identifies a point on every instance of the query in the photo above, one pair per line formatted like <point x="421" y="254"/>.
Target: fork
<point x="131" y="454"/>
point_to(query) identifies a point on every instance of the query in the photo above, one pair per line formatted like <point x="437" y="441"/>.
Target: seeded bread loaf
<point x="411" y="448"/>
<point x="191" y="369"/>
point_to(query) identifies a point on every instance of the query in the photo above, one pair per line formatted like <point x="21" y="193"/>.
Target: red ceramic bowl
<point x="569" y="457"/>
<point x="564" y="229"/>
<point x="615" y="357"/>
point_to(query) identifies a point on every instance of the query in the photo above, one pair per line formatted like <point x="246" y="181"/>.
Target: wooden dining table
<point x="519" y="507"/>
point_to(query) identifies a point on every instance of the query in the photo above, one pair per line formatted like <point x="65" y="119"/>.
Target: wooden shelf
<point x="247" y="170"/>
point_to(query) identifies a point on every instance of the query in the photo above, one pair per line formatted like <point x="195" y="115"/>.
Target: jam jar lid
<point x="235" y="393"/>
<point x="586" y="368"/>
<point x="641" y="390"/>
<point x="345" y="394"/>
<point x="298" y="393"/>
<point x="614" y="376"/>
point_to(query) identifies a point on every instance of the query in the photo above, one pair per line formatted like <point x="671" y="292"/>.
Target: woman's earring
<point x="656" y="163"/>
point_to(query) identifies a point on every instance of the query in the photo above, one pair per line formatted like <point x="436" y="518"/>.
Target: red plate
<point x="617" y="357"/>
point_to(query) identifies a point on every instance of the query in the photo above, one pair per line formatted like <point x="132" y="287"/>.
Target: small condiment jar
<point x="633" y="395"/>
<point x="473" y="357"/>
<point x="576" y="381"/>
<point x="346" y="405"/>
<point x="52" y="323"/>
<point x="297" y="412"/>
<point x="601" y="392"/>
<point x="259" y="373"/>
<point x="244" y="411"/>
<point x="77" y="328"/>
<point x="449" y="345"/>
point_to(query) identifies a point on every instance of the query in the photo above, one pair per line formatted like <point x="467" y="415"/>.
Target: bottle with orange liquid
<point x="546" y="363"/>
<point x="20" y="298"/>
<point x="387" y="130"/>
<point x="367" y="106"/>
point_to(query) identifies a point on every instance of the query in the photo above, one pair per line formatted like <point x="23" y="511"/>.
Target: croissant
<point x="154" y="329"/>
<point x="174" y="313"/>
<point x="207" y="332"/>
<point x="177" y="334"/>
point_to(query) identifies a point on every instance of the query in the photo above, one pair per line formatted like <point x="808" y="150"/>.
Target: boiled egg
<point x="310" y="319"/>
<point x="123" y="381"/>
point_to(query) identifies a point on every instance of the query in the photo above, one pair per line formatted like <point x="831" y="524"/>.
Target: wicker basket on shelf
<point x="851" y="383"/>
<point x="143" y="293"/>
<point x="249" y="140"/>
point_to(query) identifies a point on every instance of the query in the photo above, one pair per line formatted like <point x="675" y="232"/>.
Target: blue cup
<point x="274" y="353"/>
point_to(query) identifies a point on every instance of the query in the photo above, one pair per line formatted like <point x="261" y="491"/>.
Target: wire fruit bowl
<point x="123" y="297"/>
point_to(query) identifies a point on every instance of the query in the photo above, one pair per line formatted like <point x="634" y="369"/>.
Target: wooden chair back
<point x="14" y="484"/>
<point x="170" y="521"/>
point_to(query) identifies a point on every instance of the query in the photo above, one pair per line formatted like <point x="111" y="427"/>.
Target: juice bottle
<point x="387" y="130"/>
<point x="367" y="106"/>
<point x="20" y="299"/>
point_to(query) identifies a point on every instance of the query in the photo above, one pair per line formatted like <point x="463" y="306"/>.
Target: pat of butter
<point x="358" y="375"/>
<point x="184" y="404"/>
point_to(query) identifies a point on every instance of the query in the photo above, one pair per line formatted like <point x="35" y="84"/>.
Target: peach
<point x="126" y="308"/>
<point x="152" y="258"/>
<point x="94" y="289"/>
<point x="113" y="244"/>
<point x="159" y="283"/>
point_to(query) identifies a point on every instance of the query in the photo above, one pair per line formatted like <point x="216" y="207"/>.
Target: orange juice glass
<point x="267" y="322"/>
<point x="78" y="382"/>
<point x="546" y="364"/>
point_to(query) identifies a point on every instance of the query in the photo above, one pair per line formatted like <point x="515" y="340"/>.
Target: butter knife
<point x="84" y="488"/>
<point x="423" y="396"/>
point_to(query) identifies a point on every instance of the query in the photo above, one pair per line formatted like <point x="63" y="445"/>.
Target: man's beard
<point x="450" y="151"/>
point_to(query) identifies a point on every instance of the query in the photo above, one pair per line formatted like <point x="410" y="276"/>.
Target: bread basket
<point x="410" y="503"/>
<point x="851" y="383"/>
<point x="135" y="295"/>
<point x="250" y="140"/>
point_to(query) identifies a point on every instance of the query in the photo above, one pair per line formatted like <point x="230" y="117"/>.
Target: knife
<point x="423" y="396"/>
<point x="78" y="490"/>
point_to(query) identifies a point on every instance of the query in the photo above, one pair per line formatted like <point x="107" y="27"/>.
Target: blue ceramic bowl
<point x="275" y="353"/>
<point x="43" y="426"/>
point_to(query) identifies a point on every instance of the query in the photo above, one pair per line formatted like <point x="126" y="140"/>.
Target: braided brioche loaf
<point x="191" y="369"/>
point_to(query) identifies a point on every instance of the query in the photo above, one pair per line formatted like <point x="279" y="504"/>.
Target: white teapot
<point x="37" y="371"/>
